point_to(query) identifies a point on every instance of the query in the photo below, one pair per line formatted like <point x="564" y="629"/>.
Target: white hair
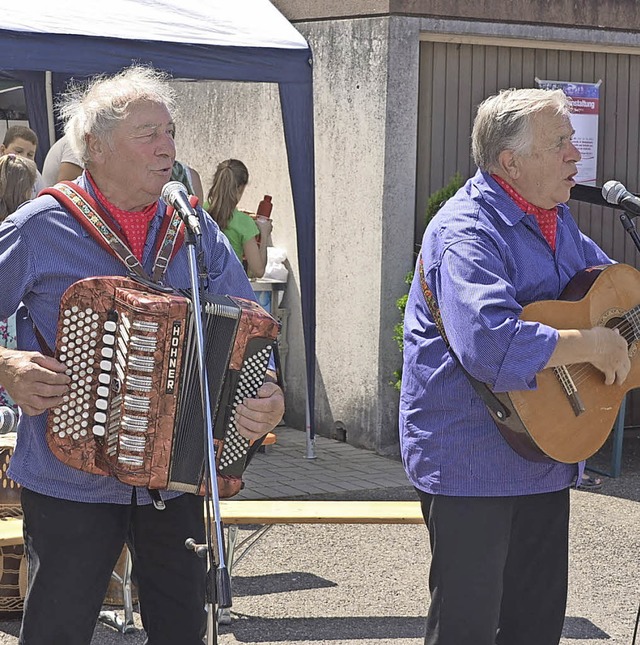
<point x="96" y="107"/>
<point x="503" y="122"/>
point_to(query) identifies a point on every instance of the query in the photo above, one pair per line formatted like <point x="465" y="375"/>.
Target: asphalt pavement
<point x="367" y="584"/>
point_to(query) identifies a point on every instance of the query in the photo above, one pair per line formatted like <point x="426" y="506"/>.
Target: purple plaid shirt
<point x="484" y="259"/>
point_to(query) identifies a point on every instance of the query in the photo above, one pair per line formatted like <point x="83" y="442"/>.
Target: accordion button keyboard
<point x="76" y="325"/>
<point x="251" y="377"/>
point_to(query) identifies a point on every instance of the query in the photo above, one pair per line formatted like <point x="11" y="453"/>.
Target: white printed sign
<point x="585" y="111"/>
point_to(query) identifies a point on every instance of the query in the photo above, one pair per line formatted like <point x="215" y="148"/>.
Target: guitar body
<point x="545" y="423"/>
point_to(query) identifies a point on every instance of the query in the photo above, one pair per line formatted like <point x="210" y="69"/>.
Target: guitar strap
<point x="499" y="411"/>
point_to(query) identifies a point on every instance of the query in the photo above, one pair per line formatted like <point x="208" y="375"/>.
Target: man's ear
<point x="95" y="147"/>
<point x="509" y="164"/>
<point x="3" y="149"/>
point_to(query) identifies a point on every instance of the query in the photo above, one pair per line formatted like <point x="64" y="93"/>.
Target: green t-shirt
<point x="241" y="228"/>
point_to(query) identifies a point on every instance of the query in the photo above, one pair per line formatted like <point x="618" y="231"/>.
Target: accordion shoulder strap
<point x="91" y="215"/>
<point x="98" y="223"/>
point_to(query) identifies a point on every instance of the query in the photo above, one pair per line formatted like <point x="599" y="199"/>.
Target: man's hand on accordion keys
<point x="35" y="382"/>
<point x="256" y="417"/>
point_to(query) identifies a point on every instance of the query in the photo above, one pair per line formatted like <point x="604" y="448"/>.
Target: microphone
<point x="175" y="194"/>
<point x="8" y="420"/>
<point x="615" y="193"/>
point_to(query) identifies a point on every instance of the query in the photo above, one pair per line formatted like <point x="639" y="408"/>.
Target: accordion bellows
<point x="134" y="408"/>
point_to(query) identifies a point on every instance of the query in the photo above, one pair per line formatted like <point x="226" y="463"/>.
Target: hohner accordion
<point x="134" y="408"/>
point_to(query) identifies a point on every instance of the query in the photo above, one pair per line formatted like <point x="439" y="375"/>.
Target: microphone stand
<point x="218" y="587"/>
<point x="630" y="228"/>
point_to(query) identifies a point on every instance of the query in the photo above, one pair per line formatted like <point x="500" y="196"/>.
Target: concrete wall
<point x="222" y="120"/>
<point x="365" y="78"/>
<point x="623" y="15"/>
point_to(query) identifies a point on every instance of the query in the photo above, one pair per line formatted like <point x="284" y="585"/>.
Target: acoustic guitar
<point x="571" y="413"/>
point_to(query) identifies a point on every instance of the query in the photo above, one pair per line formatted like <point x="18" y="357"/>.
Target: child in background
<point x="247" y="237"/>
<point x="17" y="178"/>
<point x="22" y="141"/>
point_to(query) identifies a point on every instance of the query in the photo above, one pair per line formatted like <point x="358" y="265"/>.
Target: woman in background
<point x="17" y="179"/>
<point x="247" y="237"/>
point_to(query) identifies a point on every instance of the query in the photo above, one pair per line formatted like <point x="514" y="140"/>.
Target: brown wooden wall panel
<point x="455" y="78"/>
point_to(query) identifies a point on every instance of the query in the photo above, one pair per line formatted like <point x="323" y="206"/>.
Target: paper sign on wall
<point x="585" y="111"/>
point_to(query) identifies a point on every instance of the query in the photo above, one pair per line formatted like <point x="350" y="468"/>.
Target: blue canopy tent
<point x="44" y="42"/>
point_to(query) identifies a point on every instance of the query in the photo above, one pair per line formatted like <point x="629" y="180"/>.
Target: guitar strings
<point x="583" y="371"/>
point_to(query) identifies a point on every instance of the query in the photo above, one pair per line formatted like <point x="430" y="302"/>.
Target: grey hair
<point x="96" y="107"/>
<point x="503" y="122"/>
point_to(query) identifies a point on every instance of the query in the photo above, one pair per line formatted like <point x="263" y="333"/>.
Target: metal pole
<point x="311" y="439"/>
<point x="218" y="590"/>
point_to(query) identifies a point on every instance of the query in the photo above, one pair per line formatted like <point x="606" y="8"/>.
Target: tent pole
<point x="311" y="439"/>
<point x="48" y="83"/>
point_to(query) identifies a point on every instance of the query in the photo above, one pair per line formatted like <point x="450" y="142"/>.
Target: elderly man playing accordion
<point x="76" y="523"/>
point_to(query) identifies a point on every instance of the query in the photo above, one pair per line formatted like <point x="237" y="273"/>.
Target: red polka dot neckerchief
<point x="547" y="219"/>
<point x="134" y="224"/>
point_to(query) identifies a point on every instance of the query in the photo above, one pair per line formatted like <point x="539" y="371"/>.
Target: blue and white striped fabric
<point x="43" y="250"/>
<point x="484" y="259"/>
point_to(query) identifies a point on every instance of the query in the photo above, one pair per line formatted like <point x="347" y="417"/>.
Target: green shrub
<point x="434" y="203"/>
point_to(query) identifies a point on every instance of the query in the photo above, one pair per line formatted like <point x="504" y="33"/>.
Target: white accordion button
<point x="98" y="430"/>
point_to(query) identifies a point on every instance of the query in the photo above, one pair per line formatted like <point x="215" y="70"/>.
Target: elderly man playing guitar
<point x="497" y="520"/>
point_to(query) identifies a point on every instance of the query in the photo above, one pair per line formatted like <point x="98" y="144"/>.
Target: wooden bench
<point x="268" y="442"/>
<point x="11" y="531"/>
<point x="268" y="513"/>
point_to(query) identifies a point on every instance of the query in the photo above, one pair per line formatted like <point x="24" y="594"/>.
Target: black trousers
<point x="72" y="549"/>
<point x="499" y="568"/>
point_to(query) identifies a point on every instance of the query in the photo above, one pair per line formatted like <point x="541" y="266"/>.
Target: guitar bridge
<point x="570" y="389"/>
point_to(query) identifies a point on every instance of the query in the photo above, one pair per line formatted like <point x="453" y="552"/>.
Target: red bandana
<point x="134" y="224"/>
<point x="547" y="219"/>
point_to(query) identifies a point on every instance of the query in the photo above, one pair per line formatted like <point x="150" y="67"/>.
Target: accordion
<point x="134" y="406"/>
